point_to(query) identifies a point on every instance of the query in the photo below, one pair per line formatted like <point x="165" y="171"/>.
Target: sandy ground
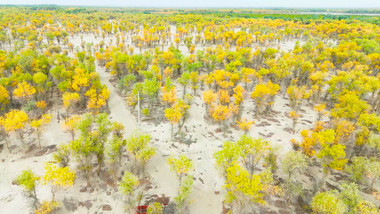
<point x="207" y="194"/>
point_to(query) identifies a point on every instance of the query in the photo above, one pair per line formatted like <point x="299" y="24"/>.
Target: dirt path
<point x="116" y="104"/>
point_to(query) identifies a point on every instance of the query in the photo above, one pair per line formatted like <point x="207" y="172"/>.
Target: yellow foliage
<point x="14" y="120"/>
<point x="209" y="97"/>
<point x="48" y="207"/>
<point x="59" y="176"/>
<point x="69" y="98"/>
<point x="238" y="95"/>
<point x="343" y="130"/>
<point x="308" y="143"/>
<point x="169" y="96"/>
<point x="97" y="100"/>
<point x="69" y="124"/>
<point x="220" y="113"/>
<point x="168" y="72"/>
<point x="224" y="97"/>
<point x="23" y="90"/>
<point x="41" y="104"/>
<point x="45" y="119"/>
<point x="80" y="79"/>
<point x="245" y="125"/>
<point x="173" y="115"/>
<point x="4" y="95"/>
<point x="294" y="115"/>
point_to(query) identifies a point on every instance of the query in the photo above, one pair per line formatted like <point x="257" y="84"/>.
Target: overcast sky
<point x="210" y="3"/>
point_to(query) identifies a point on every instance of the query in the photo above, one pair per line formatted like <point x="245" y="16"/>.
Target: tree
<point x="245" y="125"/>
<point x="62" y="155"/>
<point x="320" y="109"/>
<point x="373" y="172"/>
<point x="174" y="115"/>
<point x="293" y="163"/>
<point x="139" y="146"/>
<point x="58" y="177"/>
<point x="227" y="156"/>
<point x="350" y="106"/>
<point x="28" y="180"/>
<point x="69" y="99"/>
<point x="209" y="97"/>
<point x="244" y="188"/>
<point x="150" y="89"/>
<point x="343" y="129"/>
<point x="350" y="196"/>
<point x="4" y="97"/>
<point x="183" y="193"/>
<point x="97" y="100"/>
<point x="263" y="96"/>
<point x="357" y="168"/>
<point x="114" y="151"/>
<point x="24" y="90"/>
<point x="332" y="158"/>
<point x="70" y="124"/>
<point x="294" y="115"/>
<point x="14" y="121"/>
<point x="128" y="186"/>
<point x="296" y="94"/>
<point x="184" y="80"/>
<point x="181" y="165"/>
<point x="169" y="96"/>
<point x="328" y="203"/>
<point x="220" y="114"/>
<point x="39" y="124"/>
<point x="194" y="81"/>
<point x="253" y="151"/>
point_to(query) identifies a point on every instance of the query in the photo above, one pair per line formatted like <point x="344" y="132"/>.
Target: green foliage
<point x="62" y="155"/>
<point x="181" y="165"/>
<point x="350" y="196"/>
<point x="373" y="172"/>
<point x="253" y="151"/>
<point x="128" y="183"/>
<point x="28" y="180"/>
<point x="184" y="191"/>
<point x="114" y="148"/>
<point x="372" y="121"/>
<point x="126" y="82"/>
<point x="145" y="111"/>
<point x="155" y="208"/>
<point x="184" y="80"/>
<point x="139" y="146"/>
<point x="374" y="141"/>
<point x="328" y="203"/>
<point x="294" y="162"/>
<point x="369" y="45"/>
<point x="357" y="168"/>
<point x="350" y="106"/>
<point x="150" y="89"/>
<point x="227" y="156"/>
<point x="333" y="156"/>
<point x="366" y="207"/>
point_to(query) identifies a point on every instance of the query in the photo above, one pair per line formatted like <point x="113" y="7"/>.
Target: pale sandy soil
<point x="207" y="194"/>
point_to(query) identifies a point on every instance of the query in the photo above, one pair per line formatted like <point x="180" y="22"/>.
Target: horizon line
<point x="194" y="7"/>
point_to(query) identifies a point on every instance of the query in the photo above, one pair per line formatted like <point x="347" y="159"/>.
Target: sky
<point x="372" y="4"/>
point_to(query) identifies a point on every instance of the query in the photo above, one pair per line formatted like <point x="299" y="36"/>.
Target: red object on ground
<point x="141" y="209"/>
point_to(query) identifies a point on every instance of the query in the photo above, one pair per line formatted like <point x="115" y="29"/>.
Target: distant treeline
<point x="272" y="13"/>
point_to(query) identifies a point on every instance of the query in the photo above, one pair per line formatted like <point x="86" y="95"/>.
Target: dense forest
<point x="117" y="110"/>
